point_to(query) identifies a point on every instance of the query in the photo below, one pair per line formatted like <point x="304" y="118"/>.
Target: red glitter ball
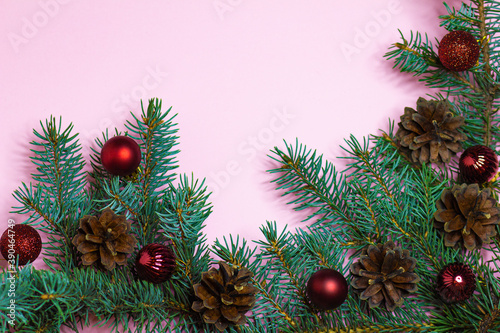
<point x="478" y="164"/>
<point x="22" y="240"/>
<point x="458" y="51"/>
<point x="155" y="263"/>
<point x="327" y="289"/>
<point x="456" y="282"/>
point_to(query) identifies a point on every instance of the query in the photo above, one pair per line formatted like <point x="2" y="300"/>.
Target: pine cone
<point x="384" y="273"/>
<point x="105" y="240"/>
<point x="468" y="214"/>
<point x="225" y="295"/>
<point x="430" y="133"/>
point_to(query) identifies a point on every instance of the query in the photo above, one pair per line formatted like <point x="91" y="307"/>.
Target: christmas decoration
<point x="155" y="263"/>
<point x="431" y="132"/>
<point x="327" y="289"/>
<point x="225" y="295"/>
<point x="23" y="241"/>
<point x="478" y="164"/>
<point x="456" y="282"/>
<point x="458" y="51"/>
<point x="120" y="155"/>
<point x="379" y="196"/>
<point x="106" y="240"/>
<point x="466" y="213"/>
<point x="384" y="274"/>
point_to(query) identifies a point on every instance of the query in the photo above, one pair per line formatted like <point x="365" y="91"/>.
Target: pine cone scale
<point x="360" y="283"/>
<point x="368" y="274"/>
<point x="371" y="290"/>
<point x="446" y="215"/>
<point x="369" y="264"/>
<point x="211" y="316"/>
<point x="90" y="258"/>
<point x="211" y="303"/>
<point x="230" y="312"/>
<point x="393" y="293"/>
<point x="455" y="224"/>
<point x="389" y="264"/>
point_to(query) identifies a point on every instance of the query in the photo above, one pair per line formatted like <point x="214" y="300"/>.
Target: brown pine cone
<point x="430" y="133"/>
<point x="225" y="295"/>
<point x="466" y="213"/>
<point x="105" y="240"/>
<point x="384" y="274"/>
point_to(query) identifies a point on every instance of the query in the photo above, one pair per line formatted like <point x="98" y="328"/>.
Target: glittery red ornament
<point x="327" y="289"/>
<point x="478" y="164"/>
<point x="21" y="240"/>
<point x="458" y="51"/>
<point x="120" y="155"/>
<point x="456" y="282"/>
<point x="155" y="263"/>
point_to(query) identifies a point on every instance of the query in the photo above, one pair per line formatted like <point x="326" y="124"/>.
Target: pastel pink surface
<point x="241" y="75"/>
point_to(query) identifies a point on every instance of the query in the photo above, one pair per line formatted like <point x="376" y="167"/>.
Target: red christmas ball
<point x="120" y="155"/>
<point x="478" y="164"/>
<point x="456" y="282"/>
<point x="458" y="51"/>
<point x="21" y="240"/>
<point x="155" y="263"/>
<point x="327" y="289"/>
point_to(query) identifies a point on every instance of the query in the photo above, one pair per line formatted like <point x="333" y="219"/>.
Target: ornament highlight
<point x="384" y="274"/>
<point x="478" y="164"/>
<point x="23" y="241"/>
<point x="155" y="263"/>
<point x="120" y="155"/>
<point x="327" y="289"/>
<point x="456" y="283"/>
<point x="458" y="51"/>
<point x="104" y="241"/>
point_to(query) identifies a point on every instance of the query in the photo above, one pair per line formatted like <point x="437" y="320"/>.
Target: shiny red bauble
<point x="478" y="164"/>
<point x="21" y="240"/>
<point x="327" y="289"/>
<point x="120" y="156"/>
<point x="456" y="283"/>
<point x="458" y="51"/>
<point x="155" y="263"/>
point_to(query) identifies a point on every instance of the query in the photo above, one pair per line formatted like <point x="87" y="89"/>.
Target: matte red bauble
<point x="120" y="155"/>
<point x="478" y="164"/>
<point x="155" y="263"/>
<point x="327" y="289"/>
<point x="456" y="282"/>
<point x="22" y="240"/>
<point x="458" y="51"/>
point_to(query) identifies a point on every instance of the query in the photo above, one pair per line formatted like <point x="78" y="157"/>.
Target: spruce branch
<point x="156" y="133"/>
<point x="315" y="185"/>
<point x="58" y="198"/>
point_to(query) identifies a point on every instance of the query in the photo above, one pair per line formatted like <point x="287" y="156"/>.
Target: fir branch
<point x="156" y="133"/>
<point x="413" y="56"/>
<point x="183" y="211"/>
<point x="58" y="198"/>
<point x="314" y="184"/>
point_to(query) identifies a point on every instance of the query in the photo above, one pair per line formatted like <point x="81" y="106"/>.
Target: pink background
<point x="242" y="75"/>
